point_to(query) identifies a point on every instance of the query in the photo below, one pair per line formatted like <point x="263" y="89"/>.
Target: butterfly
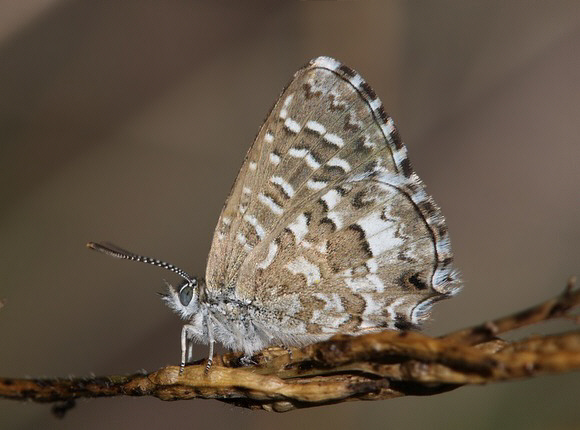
<point x="327" y="228"/>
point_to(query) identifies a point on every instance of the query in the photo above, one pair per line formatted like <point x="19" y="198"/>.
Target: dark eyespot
<point x="185" y="295"/>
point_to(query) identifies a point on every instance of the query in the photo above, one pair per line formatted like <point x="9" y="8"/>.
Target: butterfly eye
<point x="185" y="295"/>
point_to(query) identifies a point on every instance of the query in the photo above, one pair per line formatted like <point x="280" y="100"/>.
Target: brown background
<point x="128" y="121"/>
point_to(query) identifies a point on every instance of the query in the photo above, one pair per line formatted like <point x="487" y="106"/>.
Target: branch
<point x="369" y="367"/>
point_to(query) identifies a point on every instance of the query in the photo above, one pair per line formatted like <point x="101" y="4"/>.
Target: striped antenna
<point x="117" y="252"/>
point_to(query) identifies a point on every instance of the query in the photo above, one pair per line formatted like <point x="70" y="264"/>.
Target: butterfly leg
<point x="211" y="342"/>
<point x="189" y="354"/>
<point x="183" y="348"/>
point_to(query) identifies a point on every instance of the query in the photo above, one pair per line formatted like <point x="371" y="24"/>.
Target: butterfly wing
<point x="327" y="228"/>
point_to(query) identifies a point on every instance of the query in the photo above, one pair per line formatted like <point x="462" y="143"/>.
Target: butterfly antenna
<point x="117" y="252"/>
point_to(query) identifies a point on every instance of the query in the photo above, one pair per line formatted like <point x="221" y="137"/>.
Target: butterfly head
<point x="184" y="298"/>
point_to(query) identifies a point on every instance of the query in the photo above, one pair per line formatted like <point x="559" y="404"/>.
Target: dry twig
<point x="369" y="367"/>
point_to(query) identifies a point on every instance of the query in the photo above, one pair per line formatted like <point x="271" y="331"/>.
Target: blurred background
<point x="128" y="122"/>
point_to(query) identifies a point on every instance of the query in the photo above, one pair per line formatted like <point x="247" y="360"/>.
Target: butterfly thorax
<point x="233" y="322"/>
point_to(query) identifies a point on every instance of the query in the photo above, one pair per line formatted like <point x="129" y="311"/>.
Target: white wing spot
<point x="306" y="154"/>
<point x="335" y="218"/>
<point x="334" y="139"/>
<point x="274" y="158"/>
<point x="364" y="284"/>
<point x="368" y="143"/>
<point x="372" y="265"/>
<point x="332" y="301"/>
<point x="242" y="239"/>
<point x="252" y="165"/>
<point x="355" y="122"/>
<point x="337" y="101"/>
<point x="286" y="187"/>
<point x="420" y="196"/>
<point x="292" y="125"/>
<point x="399" y="155"/>
<point x="388" y="127"/>
<point x="269" y="137"/>
<point x="284" y="110"/>
<point x="315" y="185"/>
<point x="443" y="247"/>
<point x="372" y="308"/>
<point x="297" y="152"/>
<point x="376" y="282"/>
<point x="331" y="198"/>
<point x="379" y="234"/>
<point x="327" y="317"/>
<point x="328" y="323"/>
<point x="299" y="228"/>
<point x="326" y="62"/>
<point x="304" y="267"/>
<point x="356" y="81"/>
<point x="311" y="162"/>
<point x="272" y="251"/>
<point x="375" y="104"/>
<point x="339" y="162"/>
<point x="316" y="127"/>
<point x="391" y="309"/>
<point x="271" y="204"/>
<point x="253" y="221"/>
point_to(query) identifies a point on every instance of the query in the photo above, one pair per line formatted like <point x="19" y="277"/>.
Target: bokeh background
<point x="128" y="122"/>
